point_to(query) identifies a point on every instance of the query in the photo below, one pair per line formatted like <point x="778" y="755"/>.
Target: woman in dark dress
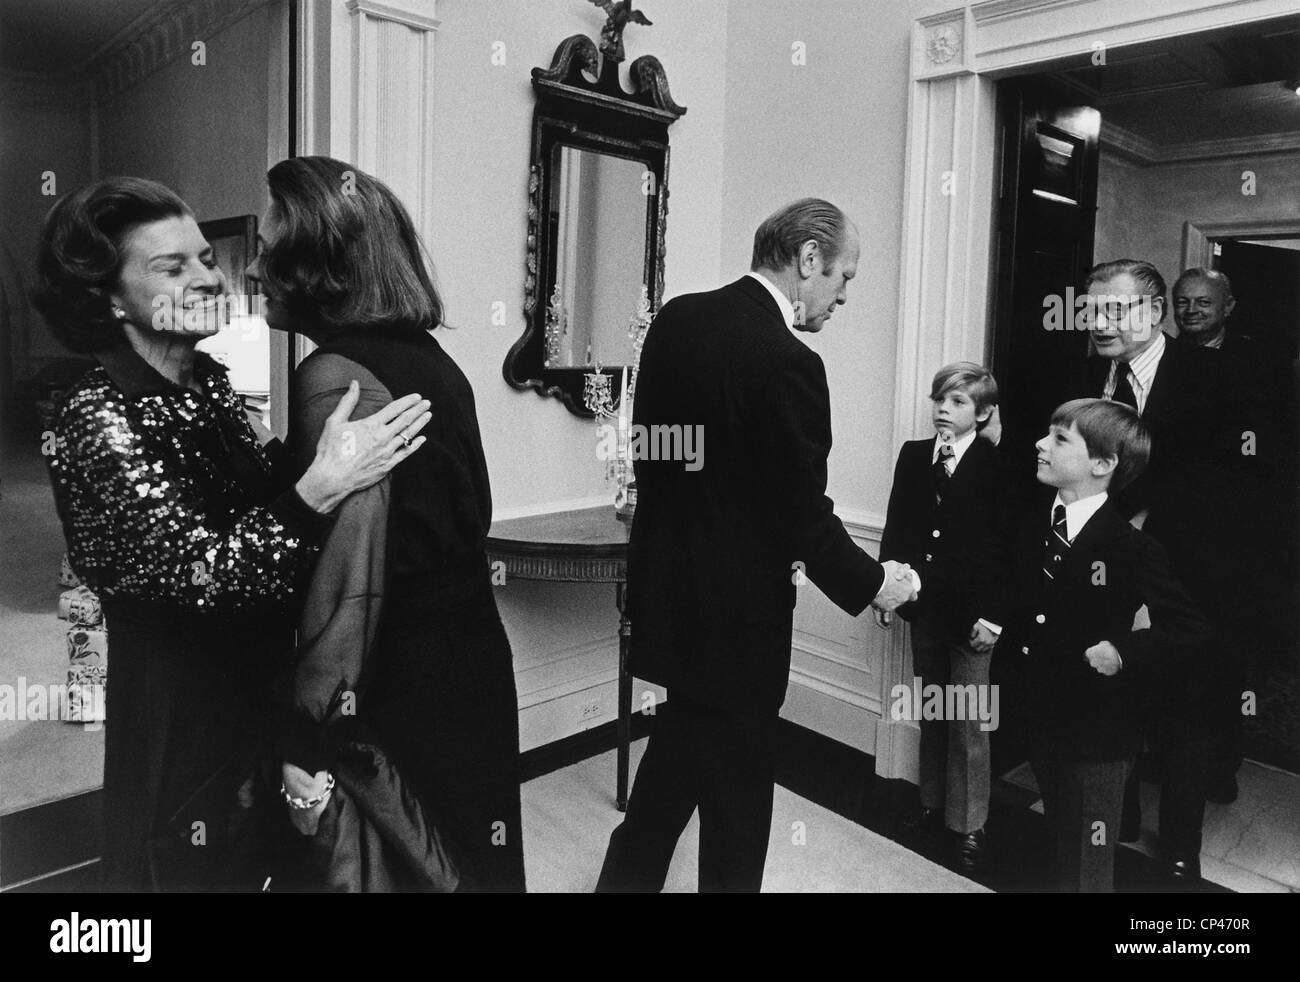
<point x="403" y="655"/>
<point x="174" y="517"/>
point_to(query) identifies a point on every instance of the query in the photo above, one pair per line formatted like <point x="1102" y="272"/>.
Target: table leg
<point x="624" y="695"/>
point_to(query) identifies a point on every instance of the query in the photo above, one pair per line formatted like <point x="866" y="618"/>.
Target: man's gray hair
<point x="1143" y="273"/>
<point x="1210" y="275"/>
<point x="779" y="239"/>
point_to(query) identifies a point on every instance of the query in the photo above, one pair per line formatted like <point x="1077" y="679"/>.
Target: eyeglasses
<point x="1113" y="309"/>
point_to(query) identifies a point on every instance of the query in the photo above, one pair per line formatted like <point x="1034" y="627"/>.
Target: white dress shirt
<point x="782" y="301"/>
<point x="959" y="448"/>
<point x="1078" y="512"/>
<point x="1143" y="372"/>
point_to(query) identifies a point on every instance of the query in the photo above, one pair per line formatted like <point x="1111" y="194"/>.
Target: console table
<point x="584" y="546"/>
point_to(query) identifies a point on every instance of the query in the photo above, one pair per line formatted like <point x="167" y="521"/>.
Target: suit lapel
<point x="1097" y="530"/>
<point x="970" y="463"/>
<point x="1165" y="381"/>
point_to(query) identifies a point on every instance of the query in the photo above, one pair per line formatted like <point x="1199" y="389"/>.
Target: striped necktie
<point x="1124" y="385"/>
<point x="1056" y="546"/>
<point x="941" y="475"/>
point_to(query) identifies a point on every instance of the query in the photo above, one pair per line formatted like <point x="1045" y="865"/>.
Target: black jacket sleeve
<point x="795" y="421"/>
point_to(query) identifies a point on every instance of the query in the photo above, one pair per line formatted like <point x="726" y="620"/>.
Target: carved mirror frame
<point x="582" y="104"/>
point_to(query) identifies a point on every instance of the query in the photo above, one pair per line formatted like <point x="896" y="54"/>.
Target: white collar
<point x="782" y="301"/>
<point x="1077" y="513"/>
<point x="958" y="448"/>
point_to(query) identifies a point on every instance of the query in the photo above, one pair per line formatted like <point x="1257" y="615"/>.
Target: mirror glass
<point x="598" y="205"/>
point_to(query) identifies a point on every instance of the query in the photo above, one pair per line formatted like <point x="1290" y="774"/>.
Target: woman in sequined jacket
<point x="174" y="516"/>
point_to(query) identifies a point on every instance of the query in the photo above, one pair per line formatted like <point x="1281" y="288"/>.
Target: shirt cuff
<point x="916" y="582"/>
<point x="995" y="628"/>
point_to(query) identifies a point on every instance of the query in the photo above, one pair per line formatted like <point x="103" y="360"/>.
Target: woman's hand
<point x="300" y="784"/>
<point x="351" y="455"/>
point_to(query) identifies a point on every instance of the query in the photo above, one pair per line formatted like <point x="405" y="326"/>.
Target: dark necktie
<point x="1124" y="384"/>
<point x="941" y="475"/>
<point x="1056" y="546"/>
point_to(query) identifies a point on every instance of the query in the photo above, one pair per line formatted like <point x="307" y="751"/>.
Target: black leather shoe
<point x="923" y="820"/>
<point x="1223" y="792"/>
<point x="968" y="854"/>
<point x="1186" y="872"/>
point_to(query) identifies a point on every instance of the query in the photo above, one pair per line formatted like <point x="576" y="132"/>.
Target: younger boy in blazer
<point x="949" y="519"/>
<point x="1082" y="573"/>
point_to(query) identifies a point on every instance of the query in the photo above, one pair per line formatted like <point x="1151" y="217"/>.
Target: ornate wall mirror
<point x="597" y="210"/>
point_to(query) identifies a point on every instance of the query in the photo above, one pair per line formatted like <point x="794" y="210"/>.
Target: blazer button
<point x="1025" y="650"/>
<point x="1041" y="619"/>
<point x="929" y="558"/>
<point x="935" y="533"/>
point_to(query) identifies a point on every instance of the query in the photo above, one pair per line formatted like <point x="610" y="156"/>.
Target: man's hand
<point x="897" y="589"/>
<point x="981" y="638"/>
<point x="992" y="430"/>
<point x="883" y="618"/>
<point x="1104" y="658"/>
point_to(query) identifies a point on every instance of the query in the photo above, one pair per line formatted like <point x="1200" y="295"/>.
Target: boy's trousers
<point x="955" y="765"/>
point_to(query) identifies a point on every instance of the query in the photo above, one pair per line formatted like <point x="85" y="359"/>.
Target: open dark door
<point x="1048" y="210"/>
<point x="1047" y="213"/>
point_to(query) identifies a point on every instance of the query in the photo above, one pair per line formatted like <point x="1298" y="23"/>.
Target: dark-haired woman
<point x="173" y="516"/>
<point x="404" y="655"/>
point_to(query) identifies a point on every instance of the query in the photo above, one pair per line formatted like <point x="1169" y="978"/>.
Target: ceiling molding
<point x="1146" y="152"/>
<point x="158" y="37"/>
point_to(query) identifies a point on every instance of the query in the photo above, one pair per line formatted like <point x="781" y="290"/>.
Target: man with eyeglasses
<point x="1186" y="501"/>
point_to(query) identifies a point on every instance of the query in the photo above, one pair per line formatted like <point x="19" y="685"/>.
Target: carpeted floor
<point x="569" y="815"/>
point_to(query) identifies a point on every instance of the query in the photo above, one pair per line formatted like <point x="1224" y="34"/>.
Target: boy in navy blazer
<point x="949" y="517"/>
<point x="1082" y="573"/>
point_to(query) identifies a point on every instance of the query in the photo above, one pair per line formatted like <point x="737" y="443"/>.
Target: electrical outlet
<point x="589" y="711"/>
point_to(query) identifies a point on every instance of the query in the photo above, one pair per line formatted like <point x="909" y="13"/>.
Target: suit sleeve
<point x="342" y="606"/>
<point x="795" y="431"/>
<point x="1177" y="632"/>
<point x="889" y="545"/>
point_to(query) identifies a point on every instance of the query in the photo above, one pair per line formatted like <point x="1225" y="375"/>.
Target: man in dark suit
<point x="716" y="550"/>
<point x="1187" y="500"/>
<point x="1263" y="489"/>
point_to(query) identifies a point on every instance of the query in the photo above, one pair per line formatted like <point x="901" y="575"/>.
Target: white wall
<point x="1141" y="210"/>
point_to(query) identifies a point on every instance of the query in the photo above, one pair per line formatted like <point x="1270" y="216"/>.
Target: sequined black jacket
<point x="166" y="496"/>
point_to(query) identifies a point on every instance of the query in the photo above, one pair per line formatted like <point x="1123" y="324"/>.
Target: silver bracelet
<point x="303" y="804"/>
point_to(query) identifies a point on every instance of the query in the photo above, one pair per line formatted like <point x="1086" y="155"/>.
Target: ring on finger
<point x="406" y="440"/>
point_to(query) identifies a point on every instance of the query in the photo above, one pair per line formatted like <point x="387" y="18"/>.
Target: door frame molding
<point x="950" y="178"/>
<point x="1199" y="236"/>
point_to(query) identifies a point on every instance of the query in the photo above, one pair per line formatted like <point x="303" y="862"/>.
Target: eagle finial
<point x="619" y="14"/>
